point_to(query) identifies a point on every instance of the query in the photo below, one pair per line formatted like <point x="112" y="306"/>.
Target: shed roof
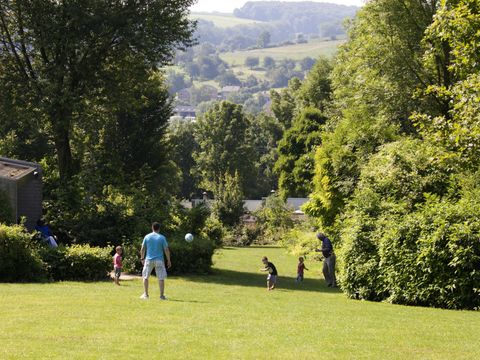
<point x="14" y="170"/>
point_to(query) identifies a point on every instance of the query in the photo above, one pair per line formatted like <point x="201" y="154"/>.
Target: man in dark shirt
<point x="272" y="273"/>
<point x="328" y="261"/>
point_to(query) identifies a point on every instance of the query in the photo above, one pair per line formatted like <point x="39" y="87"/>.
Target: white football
<point x="189" y="237"/>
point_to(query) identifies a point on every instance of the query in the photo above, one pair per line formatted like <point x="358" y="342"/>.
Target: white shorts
<point x="159" y="269"/>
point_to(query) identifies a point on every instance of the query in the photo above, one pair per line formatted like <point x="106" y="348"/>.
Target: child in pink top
<point x="117" y="264"/>
<point x="300" y="269"/>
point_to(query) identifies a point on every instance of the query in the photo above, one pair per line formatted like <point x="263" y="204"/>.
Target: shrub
<point x="274" y="219"/>
<point x="187" y="258"/>
<point x="78" y="262"/>
<point x="214" y="230"/>
<point x="301" y="242"/>
<point x="242" y="235"/>
<point x="19" y="260"/>
<point x="432" y="257"/>
<point x="411" y="234"/>
<point x="131" y="258"/>
<point x="191" y="258"/>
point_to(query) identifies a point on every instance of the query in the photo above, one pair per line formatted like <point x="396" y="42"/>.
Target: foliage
<point x="301" y="241"/>
<point x="295" y="165"/>
<point x="224" y="147"/>
<point x="244" y="235"/>
<point x="252" y="61"/>
<point x="228" y="204"/>
<point x="268" y="62"/>
<point x="182" y="142"/>
<point x="316" y="89"/>
<point x="264" y="39"/>
<point x="402" y="241"/>
<point x="77" y="262"/>
<point x="339" y="160"/>
<point x="96" y="117"/>
<point x="191" y="258"/>
<point x="57" y="58"/>
<point x="214" y="230"/>
<point x="450" y="43"/>
<point x="275" y="218"/>
<point x="19" y="260"/>
<point x="131" y="260"/>
<point x="187" y="258"/>
<point x="266" y="132"/>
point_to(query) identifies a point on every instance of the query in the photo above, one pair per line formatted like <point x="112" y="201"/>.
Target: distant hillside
<point x="313" y="48"/>
<point x="223" y="20"/>
<point x="303" y="17"/>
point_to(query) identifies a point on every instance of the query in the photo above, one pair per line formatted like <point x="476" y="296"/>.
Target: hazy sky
<point x="229" y="5"/>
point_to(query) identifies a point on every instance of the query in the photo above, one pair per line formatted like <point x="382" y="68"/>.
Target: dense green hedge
<point x="77" y="262"/>
<point x="402" y="241"/>
<point x="19" y="259"/>
<point x="187" y="258"/>
<point x="24" y="259"/>
<point x="191" y="258"/>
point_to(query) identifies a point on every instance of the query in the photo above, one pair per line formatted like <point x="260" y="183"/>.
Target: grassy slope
<point x="223" y="20"/>
<point x="314" y="48"/>
<point x="224" y="316"/>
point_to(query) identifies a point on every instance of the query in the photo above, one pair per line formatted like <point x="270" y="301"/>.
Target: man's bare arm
<point x="167" y="254"/>
<point x="142" y="254"/>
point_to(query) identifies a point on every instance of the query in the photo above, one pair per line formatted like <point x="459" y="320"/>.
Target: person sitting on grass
<point x="272" y="273"/>
<point x="46" y="234"/>
<point x="117" y="264"/>
<point x="300" y="269"/>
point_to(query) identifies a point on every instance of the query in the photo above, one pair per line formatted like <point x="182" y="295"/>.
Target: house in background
<point x="22" y="183"/>
<point x="185" y="111"/>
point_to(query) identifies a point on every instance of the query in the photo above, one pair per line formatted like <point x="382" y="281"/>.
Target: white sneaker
<point x="144" y="297"/>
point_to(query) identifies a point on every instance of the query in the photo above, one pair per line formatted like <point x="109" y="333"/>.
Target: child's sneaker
<point x="144" y="297"/>
<point x="163" y="297"/>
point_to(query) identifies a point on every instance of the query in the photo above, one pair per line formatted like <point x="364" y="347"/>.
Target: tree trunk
<point x="61" y="131"/>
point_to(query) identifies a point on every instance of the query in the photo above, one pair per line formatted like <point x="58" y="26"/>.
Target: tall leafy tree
<point x="295" y="165"/>
<point x="451" y="52"/>
<point x="225" y="147"/>
<point x="181" y="137"/>
<point x="377" y="79"/>
<point x="54" y="55"/>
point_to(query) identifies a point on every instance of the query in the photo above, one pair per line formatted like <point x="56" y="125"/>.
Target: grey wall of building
<point x="25" y="194"/>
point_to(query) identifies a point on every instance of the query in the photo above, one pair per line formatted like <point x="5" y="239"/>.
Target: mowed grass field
<point x="223" y="20"/>
<point x="314" y="48"/>
<point x="226" y="315"/>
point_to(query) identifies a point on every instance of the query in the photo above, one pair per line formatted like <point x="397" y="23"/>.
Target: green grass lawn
<point x="223" y="20"/>
<point x="227" y="315"/>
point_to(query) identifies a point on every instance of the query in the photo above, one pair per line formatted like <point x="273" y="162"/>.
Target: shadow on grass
<point x="239" y="278"/>
<point x="187" y="301"/>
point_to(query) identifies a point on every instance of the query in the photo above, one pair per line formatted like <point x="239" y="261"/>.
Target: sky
<point x="227" y="6"/>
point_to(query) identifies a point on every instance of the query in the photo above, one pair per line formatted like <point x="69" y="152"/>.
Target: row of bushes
<point x="24" y="259"/>
<point x="187" y="258"/>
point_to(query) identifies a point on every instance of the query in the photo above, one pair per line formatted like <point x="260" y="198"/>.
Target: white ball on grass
<point x="189" y="237"/>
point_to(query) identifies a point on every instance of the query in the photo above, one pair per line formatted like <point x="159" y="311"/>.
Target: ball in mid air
<point x="189" y="237"/>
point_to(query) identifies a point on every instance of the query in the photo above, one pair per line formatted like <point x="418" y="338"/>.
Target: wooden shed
<point x="22" y="183"/>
